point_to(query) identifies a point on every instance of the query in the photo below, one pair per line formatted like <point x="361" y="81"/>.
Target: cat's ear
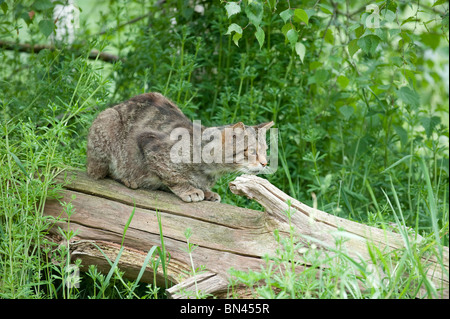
<point x="238" y="125"/>
<point x="264" y="125"/>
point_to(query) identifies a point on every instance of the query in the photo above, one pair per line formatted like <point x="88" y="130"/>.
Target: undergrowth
<point x="364" y="131"/>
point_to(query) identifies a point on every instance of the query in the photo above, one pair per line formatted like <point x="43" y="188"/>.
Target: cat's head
<point x="245" y="147"/>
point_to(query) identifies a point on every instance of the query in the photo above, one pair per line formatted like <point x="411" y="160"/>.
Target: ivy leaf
<point x="46" y="26"/>
<point x="286" y="14"/>
<point x="301" y="15"/>
<point x="301" y="50"/>
<point x="369" y="43"/>
<point x="409" y="96"/>
<point x="232" y="8"/>
<point x="292" y="36"/>
<point x="353" y="47"/>
<point x="255" y="11"/>
<point x="429" y="123"/>
<point x="260" y="36"/>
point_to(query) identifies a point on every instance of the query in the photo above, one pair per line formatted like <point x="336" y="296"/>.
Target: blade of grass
<point x="144" y="266"/>
<point x="128" y="223"/>
<point x="162" y="250"/>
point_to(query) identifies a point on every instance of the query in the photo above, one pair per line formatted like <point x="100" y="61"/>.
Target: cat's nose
<point x="264" y="164"/>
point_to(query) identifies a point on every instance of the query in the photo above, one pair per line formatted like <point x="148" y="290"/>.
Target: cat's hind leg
<point x="97" y="168"/>
<point x="100" y="141"/>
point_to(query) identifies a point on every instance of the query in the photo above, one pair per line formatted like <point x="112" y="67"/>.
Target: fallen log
<point x="226" y="236"/>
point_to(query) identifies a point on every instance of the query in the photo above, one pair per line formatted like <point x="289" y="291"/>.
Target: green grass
<point x="364" y="137"/>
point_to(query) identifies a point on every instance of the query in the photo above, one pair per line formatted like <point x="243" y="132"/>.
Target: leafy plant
<point x="358" y="91"/>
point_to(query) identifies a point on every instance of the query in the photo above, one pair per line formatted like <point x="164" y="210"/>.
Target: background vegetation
<point x="361" y="108"/>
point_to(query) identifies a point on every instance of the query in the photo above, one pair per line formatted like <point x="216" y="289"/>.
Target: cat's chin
<point x="252" y="170"/>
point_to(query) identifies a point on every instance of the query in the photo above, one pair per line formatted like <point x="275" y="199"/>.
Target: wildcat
<point x="132" y="143"/>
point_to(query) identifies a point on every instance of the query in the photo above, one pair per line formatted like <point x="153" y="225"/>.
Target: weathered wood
<point x="205" y="283"/>
<point x="324" y="228"/>
<point x="226" y="236"/>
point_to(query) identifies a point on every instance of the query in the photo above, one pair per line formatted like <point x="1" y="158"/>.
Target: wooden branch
<point x="123" y="25"/>
<point x="36" y="48"/>
<point x="227" y="236"/>
<point x="205" y="283"/>
<point x="324" y="228"/>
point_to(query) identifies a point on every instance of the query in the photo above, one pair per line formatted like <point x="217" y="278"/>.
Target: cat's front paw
<point x="211" y="196"/>
<point x="130" y="184"/>
<point x="192" y="195"/>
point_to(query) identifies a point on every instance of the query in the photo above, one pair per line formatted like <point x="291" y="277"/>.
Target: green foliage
<point x="396" y="274"/>
<point x="357" y="92"/>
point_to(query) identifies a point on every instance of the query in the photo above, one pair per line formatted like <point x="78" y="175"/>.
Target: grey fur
<point x="131" y="143"/>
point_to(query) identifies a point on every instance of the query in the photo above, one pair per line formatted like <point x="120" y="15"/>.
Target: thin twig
<point x="36" y="48"/>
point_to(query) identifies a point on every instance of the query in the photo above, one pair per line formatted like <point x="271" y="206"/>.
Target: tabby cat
<point x="134" y="143"/>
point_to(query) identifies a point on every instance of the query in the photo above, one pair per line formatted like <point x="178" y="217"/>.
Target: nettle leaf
<point x="232" y="8"/>
<point x="286" y="28"/>
<point x="369" y="43"/>
<point x="4" y="6"/>
<point x="234" y="28"/>
<point x="439" y="2"/>
<point x="42" y="5"/>
<point x="259" y="34"/>
<point x="429" y="123"/>
<point x="300" y="50"/>
<point x="320" y="76"/>
<point x="343" y="81"/>
<point x="254" y="12"/>
<point x="237" y="32"/>
<point x="292" y="36"/>
<point x="402" y="134"/>
<point x="46" y="26"/>
<point x="286" y="14"/>
<point x="347" y="111"/>
<point x="329" y="37"/>
<point x="388" y="15"/>
<point x="301" y="15"/>
<point x="430" y="39"/>
<point x="445" y="22"/>
<point x="409" y="96"/>
<point x="236" y="38"/>
<point x="326" y="8"/>
<point x="353" y="47"/>
<point x="359" y="31"/>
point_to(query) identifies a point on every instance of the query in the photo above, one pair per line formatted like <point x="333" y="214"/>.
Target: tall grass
<point x="398" y="274"/>
<point x="346" y="137"/>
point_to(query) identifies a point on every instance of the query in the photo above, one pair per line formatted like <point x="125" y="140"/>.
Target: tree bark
<point x="227" y="236"/>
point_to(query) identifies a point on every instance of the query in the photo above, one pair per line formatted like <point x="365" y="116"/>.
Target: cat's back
<point x="150" y="110"/>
